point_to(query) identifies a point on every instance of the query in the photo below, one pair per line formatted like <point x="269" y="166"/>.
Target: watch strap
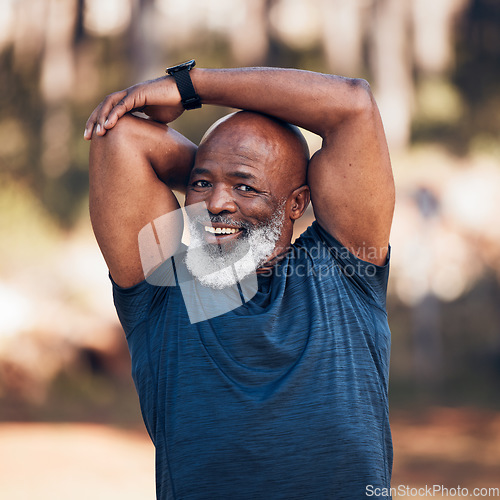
<point x="189" y="98"/>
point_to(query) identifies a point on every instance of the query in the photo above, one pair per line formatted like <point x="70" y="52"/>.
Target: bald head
<point x="251" y="170"/>
<point x="280" y="145"/>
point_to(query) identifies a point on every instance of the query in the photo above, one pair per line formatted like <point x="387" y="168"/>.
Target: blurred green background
<point x="434" y="69"/>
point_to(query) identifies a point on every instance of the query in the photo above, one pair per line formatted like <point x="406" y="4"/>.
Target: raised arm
<point x="132" y="170"/>
<point x="350" y="178"/>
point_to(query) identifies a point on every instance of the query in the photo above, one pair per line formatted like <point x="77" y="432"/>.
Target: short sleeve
<point x="370" y="279"/>
<point x="133" y="304"/>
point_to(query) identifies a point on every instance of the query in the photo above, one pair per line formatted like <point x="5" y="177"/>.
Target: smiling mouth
<point x="222" y="230"/>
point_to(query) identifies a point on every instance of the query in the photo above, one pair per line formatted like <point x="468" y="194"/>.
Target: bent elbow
<point x="351" y="99"/>
<point x="361" y="97"/>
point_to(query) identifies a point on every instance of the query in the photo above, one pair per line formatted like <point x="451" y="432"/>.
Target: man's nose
<point x="221" y="200"/>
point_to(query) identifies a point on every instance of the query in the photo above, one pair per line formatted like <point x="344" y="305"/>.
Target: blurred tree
<point x="390" y="58"/>
<point x="433" y="67"/>
<point x="145" y="51"/>
<point x="342" y="31"/>
<point x="476" y="74"/>
<point x="250" y="24"/>
<point x="457" y="76"/>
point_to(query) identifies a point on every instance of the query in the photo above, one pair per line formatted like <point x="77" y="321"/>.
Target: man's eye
<point x="201" y="184"/>
<point x="245" y="188"/>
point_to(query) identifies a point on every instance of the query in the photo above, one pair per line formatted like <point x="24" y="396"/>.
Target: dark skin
<point x="135" y="163"/>
<point x="245" y="170"/>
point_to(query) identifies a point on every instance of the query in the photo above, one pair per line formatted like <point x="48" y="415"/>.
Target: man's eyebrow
<point x="236" y="173"/>
<point x="243" y="175"/>
<point x="200" y="171"/>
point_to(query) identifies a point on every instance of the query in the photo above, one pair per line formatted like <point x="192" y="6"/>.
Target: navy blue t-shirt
<point x="284" y="397"/>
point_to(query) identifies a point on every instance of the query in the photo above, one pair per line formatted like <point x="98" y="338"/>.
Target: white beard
<point x="217" y="269"/>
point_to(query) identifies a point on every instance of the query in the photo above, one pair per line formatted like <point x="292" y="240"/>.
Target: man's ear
<point x="298" y="202"/>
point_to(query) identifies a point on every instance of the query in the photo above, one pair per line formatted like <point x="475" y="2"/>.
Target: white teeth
<point x="221" y="230"/>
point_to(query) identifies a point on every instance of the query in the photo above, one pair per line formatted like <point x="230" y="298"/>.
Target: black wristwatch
<point x="189" y="98"/>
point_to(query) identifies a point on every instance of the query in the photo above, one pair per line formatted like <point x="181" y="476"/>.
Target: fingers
<point x="89" y="127"/>
<point x="105" y="116"/>
<point x="160" y="92"/>
<point x="116" y="112"/>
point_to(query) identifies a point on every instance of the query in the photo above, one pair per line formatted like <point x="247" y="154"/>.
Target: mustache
<point x="222" y="219"/>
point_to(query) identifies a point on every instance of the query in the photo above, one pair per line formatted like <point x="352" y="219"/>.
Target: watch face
<point x="188" y="65"/>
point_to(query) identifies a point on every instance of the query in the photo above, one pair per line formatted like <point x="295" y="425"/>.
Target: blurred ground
<point x="74" y="461"/>
<point x="449" y="447"/>
<point x="58" y="461"/>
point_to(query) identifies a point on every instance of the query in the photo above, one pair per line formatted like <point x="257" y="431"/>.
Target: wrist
<point x="174" y="96"/>
<point x="181" y="73"/>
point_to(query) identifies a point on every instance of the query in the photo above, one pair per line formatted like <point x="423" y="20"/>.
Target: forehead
<point x="244" y="151"/>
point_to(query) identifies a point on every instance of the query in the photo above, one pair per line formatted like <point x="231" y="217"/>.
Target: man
<point x="285" y="395"/>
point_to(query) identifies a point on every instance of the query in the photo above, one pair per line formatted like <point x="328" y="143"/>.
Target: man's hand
<point x="159" y="99"/>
